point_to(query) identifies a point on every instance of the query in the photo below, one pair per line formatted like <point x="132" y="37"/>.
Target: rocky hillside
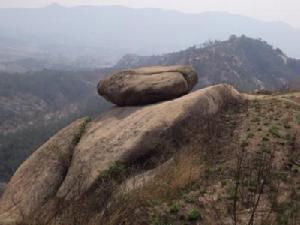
<point x="35" y="106"/>
<point x="245" y="63"/>
<point x="213" y="156"/>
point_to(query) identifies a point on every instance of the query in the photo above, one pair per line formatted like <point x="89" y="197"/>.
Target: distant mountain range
<point x="88" y="37"/>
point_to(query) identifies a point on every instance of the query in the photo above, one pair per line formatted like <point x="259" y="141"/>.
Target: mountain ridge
<point x="243" y="62"/>
<point x="103" y="28"/>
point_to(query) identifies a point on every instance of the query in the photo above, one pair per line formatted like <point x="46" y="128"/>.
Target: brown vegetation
<point x="241" y="167"/>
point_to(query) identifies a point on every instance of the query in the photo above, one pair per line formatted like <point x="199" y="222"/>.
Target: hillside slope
<point x="216" y="160"/>
<point x="243" y="62"/>
<point x="245" y="172"/>
<point x="82" y="166"/>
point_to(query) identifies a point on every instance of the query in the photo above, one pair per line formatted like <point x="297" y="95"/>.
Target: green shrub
<point x="230" y="189"/>
<point x="244" y="143"/>
<point x="289" y="139"/>
<point x="295" y="169"/>
<point x="275" y="131"/>
<point x="116" y="171"/>
<point x="193" y="214"/>
<point x="298" y="118"/>
<point x="265" y="139"/>
<point x="174" y="208"/>
<point x="250" y="135"/>
<point x="159" y="221"/>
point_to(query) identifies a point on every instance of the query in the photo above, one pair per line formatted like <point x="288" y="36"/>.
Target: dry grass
<point x="189" y="169"/>
<point x="166" y="185"/>
<point x="202" y="177"/>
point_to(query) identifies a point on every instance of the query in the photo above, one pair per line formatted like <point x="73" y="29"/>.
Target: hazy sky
<point x="268" y="10"/>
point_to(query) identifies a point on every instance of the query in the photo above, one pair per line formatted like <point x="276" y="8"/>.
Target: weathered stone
<point x="37" y="180"/>
<point x="59" y="175"/>
<point x="147" y="85"/>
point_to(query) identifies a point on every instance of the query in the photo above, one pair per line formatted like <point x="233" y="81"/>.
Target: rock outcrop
<point x="147" y="85"/>
<point x="63" y="175"/>
<point x="40" y="176"/>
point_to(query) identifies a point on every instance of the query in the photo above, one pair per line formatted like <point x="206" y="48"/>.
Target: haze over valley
<point x="92" y="37"/>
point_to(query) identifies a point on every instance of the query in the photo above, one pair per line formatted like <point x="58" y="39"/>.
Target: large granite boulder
<point x="71" y="177"/>
<point x="37" y="180"/>
<point x="147" y="85"/>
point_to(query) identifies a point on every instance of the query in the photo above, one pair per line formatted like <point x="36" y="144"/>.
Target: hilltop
<point x="243" y="62"/>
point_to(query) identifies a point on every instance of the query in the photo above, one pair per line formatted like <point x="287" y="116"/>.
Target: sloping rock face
<point x="147" y="85"/>
<point x="39" y="177"/>
<point x="63" y="184"/>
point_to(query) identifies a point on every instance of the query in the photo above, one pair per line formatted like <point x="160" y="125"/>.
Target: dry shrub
<point x="167" y="183"/>
<point x="178" y="175"/>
